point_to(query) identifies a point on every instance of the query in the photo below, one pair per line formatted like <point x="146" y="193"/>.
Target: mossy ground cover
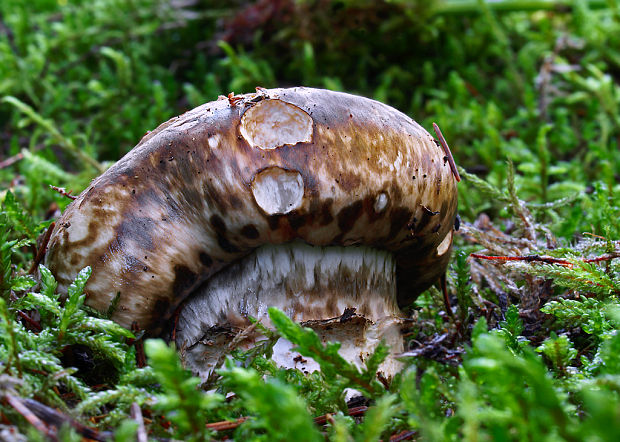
<point x="527" y="93"/>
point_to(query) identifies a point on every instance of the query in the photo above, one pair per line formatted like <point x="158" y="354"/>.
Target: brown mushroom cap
<point x="209" y="186"/>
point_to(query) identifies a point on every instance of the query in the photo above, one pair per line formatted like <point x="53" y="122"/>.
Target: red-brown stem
<point x="546" y="259"/>
<point x="11" y="160"/>
<point x="526" y="258"/>
<point x="139" y="344"/>
<point x="41" y="252"/>
<point x="403" y="435"/>
<point x="355" y="411"/>
<point x="22" y="409"/>
<point x="446" y="300"/>
<point x="321" y="420"/>
<point x="226" y="425"/>
<point x="34" y="324"/>
<point x="63" y="192"/>
<point x="446" y="150"/>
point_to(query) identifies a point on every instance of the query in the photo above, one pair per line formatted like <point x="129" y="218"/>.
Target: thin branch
<point x="56" y="419"/>
<point x="320" y="420"/>
<point x="403" y="435"/>
<point x="446" y="150"/>
<point x="546" y="259"/>
<point x="42" y="249"/>
<point x="22" y="409"/>
<point x="11" y="160"/>
<point x="64" y="192"/>
<point x="472" y="6"/>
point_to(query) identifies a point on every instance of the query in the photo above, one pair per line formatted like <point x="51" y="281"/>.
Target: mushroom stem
<point x="314" y="286"/>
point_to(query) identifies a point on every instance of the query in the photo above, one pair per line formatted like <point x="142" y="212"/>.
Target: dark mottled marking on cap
<point x="138" y="230"/>
<point x="220" y="231"/>
<point x="161" y="307"/>
<point x="213" y="195"/>
<point x="185" y="170"/>
<point x="250" y="231"/>
<point x="273" y="221"/>
<point x="325" y="212"/>
<point x="337" y="240"/>
<point x="399" y="219"/>
<point x="296" y="220"/>
<point x="235" y="202"/>
<point x="424" y="221"/>
<point x="184" y="280"/>
<point x="218" y="224"/>
<point x="192" y="196"/>
<point x="395" y="193"/>
<point x="101" y="215"/>
<point x="349" y="181"/>
<point x="205" y="259"/>
<point x="348" y="216"/>
<point x="149" y="196"/>
<point x="436" y="228"/>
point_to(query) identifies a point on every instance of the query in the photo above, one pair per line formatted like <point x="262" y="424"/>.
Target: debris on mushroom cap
<point x="213" y="184"/>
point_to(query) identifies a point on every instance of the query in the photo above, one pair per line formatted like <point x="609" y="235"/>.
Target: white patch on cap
<point x="214" y="141"/>
<point x="78" y="227"/>
<point x="445" y="244"/>
<point x="380" y="202"/>
<point x="274" y="123"/>
<point x="278" y="191"/>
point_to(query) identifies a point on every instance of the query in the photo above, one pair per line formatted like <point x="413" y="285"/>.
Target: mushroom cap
<point x="209" y="186"/>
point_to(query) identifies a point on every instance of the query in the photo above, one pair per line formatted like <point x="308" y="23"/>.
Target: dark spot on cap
<point x="399" y="219"/>
<point x="274" y="222"/>
<point x="218" y="224"/>
<point x="226" y="245"/>
<point x="205" y="259"/>
<point x="250" y="231"/>
<point x="161" y="307"/>
<point x="220" y="231"/>
<point x="349" y="181"/>
<point x="235" y="202"/>
<point x="325" y="212"/>
<point x="436" y="228"/>
<point x="184" y="280"/>
<point x="137" y="230"/>
<point x="348" y="216"/>
<point x="296" y="220"/>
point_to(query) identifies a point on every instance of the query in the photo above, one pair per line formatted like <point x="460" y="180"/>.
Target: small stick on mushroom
<point x="64" y="192"/>
<point x="446" y="149"/>
<point x="42" y="248"/>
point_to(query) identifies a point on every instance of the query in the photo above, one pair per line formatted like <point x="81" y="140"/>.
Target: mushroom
<point x="314" y="201"/>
